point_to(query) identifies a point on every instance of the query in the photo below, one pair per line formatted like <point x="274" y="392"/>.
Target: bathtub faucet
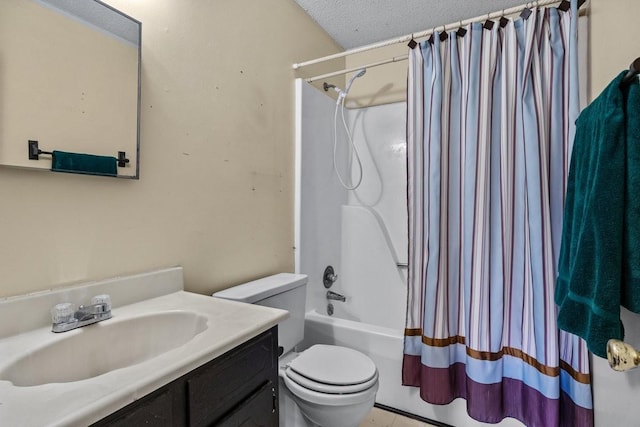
<point x="336" y="296"/>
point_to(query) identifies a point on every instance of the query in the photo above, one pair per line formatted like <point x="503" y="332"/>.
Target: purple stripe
<point x="473" y="287"/>
<point x="512" y="220"/>
<point x="420" y="143"/>
<point x="565" y="113"/>
<point x="543" y="192"/>
<point x="491" y="403"/>
<point x="427" y="149"/>
<point x="464" y="87"/>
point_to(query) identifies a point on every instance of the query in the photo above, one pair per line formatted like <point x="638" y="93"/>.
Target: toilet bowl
<point x="331" y="386"/>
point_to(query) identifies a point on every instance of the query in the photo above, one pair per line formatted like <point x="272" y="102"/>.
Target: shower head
<point x="359" y="73"/>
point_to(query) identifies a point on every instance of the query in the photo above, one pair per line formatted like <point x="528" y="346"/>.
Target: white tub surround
<point x="82" y="402"/>
<point x="364" y="236"/>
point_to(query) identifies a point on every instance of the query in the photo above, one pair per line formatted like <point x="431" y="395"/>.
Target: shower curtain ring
<point x="412" y="42"/>
<point x="433" y="31"/>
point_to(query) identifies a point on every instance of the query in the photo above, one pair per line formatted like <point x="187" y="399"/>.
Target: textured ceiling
<point x="353" y="23"/>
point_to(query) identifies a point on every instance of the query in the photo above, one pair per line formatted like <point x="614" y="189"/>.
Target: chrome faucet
<point x="336" y="296"/>
<point x="65" y="317"/>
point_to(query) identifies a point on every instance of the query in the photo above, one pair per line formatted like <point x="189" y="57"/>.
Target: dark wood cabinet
<point x="239" y="388"/>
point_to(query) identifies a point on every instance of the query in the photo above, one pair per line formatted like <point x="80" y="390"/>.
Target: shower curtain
<point x="490" y="127"/>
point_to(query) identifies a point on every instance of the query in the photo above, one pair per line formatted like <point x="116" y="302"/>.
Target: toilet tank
<point x="286" y="291"/>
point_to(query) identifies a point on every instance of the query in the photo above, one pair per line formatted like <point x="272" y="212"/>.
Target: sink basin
<point x="103" y="347"/>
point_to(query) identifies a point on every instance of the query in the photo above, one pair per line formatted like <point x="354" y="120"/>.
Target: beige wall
<point x="383" y="84"/>
<point x="216" y="188"/>
<point x="614" y="39"/>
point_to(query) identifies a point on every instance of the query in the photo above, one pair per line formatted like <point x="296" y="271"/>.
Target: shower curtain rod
<point x="421" y="34"/>
<point x="350" y="70"/>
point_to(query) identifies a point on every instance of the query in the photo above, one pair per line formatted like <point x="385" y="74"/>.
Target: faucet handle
<point x="102" y="299"/>
<point x="62" y="313"/>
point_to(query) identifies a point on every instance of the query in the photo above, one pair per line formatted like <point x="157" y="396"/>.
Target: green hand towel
<point x="599" y="230"/>
<point x="62" y="161"/>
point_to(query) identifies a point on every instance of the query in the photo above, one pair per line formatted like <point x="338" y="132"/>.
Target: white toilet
<point x="332" y="386"/>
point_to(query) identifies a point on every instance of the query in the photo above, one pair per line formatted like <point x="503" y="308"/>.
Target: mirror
<point x="70" y="80"/>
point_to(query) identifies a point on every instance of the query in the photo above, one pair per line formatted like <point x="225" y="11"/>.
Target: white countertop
<point x="80" y="403"/>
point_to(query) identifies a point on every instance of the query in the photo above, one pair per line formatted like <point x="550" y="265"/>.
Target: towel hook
<point x="634" y="70"/>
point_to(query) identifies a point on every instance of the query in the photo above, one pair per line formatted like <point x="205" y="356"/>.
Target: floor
<point x="380" y="418"/>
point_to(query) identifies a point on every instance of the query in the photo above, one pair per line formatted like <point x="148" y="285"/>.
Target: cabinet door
<point x="215" y="390"/>
<point x="258" y="410"/>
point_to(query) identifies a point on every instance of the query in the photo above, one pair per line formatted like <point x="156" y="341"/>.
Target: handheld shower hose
<point x="340" y="105"/>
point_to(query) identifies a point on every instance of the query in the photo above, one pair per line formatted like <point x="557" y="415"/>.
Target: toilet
<point x="332" y="386"/>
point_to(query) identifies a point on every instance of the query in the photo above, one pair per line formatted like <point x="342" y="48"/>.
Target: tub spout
<point x="336" y="296"/>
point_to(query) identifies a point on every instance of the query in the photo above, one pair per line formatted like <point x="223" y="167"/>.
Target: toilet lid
<point x="308" y="384"/>
<point x="334" y="365"/>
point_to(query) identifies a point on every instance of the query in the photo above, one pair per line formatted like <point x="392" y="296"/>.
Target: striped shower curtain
<point x="490" y="128"/>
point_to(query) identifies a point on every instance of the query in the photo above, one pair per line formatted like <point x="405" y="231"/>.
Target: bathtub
<point x="384" y="346"/>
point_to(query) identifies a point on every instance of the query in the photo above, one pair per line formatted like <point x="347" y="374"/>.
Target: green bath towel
<point x="62" y="161"/>
<point x="599" y="264"/>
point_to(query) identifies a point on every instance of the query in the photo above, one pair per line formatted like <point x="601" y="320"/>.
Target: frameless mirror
<point x="70" y="80"/>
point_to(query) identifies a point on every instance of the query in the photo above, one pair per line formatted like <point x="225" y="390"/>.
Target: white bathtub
<point x="384" y="346"/>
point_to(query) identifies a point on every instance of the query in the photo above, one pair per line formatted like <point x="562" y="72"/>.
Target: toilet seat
<point x="305" y="382"/>
<point x="332" y="369"/>
<point x="330" y="399"/>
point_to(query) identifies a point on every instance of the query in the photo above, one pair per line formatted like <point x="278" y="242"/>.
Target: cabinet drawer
<point x="215" y="390"/>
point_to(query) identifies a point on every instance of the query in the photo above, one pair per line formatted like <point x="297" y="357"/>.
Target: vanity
<point x="237" y="388"/>
<point x="166" y="358"/>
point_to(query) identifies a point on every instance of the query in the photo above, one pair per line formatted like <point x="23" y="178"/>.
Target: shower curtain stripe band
<point x="426" y="33"/>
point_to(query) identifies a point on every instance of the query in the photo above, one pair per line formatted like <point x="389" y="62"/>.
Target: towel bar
<point x="35" y="151"/>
